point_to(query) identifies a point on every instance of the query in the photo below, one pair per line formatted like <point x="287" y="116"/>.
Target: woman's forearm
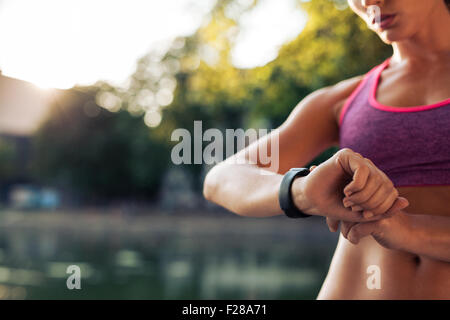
<point x="250" y="190"/>
<point x="430" y="236"/>
<point x="244" y="189"/>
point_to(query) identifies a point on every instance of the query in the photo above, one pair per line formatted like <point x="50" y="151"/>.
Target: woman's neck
<point x="431" y="44"/>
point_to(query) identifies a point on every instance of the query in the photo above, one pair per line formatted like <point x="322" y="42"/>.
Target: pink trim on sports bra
<point x="353" y="95"/>
<point x="374" y="103"/>
<point x="422" y="185"/>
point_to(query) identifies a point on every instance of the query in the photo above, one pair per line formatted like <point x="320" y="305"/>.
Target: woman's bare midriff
<point x="403" y="275"/>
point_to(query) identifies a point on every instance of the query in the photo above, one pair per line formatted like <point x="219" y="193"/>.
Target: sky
<point x="60" y="43"/>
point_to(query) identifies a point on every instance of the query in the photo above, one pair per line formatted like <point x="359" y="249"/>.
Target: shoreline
<point x="159" y="223"/>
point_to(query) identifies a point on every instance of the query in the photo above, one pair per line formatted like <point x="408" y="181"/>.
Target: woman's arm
<point x="431" y="236"/>
<point x="243" y="190"/>
<point x="238" y="183"/>
<point x="250" y="188"/>
<point x="419" y="234"/>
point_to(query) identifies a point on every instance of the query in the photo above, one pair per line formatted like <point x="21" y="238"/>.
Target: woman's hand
<point x="373" y="194"/>
<point x="320" y="193"/>
<point x="392" y="233"/>
<point x="399" y="204"/>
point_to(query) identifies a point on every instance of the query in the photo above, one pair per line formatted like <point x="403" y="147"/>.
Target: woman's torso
<point x="403" y="275"/>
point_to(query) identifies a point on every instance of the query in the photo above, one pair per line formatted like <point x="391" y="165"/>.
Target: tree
<point x="96" y="153"/>
<point x="195" y="80"/>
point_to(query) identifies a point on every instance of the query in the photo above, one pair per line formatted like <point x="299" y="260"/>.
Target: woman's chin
<point x="390" y="36"/>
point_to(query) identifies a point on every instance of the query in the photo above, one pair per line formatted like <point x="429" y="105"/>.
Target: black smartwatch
<point x="285" y="196"/>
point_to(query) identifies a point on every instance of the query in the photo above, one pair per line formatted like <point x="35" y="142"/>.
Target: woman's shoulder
<point x="345" y="88"/>
<point x="340" y="92"/>
<point x="334" y="94"/>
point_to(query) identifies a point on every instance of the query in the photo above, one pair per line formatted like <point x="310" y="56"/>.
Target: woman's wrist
<point x="411" y="237"/>
<point x="416" y="238"/>
<point x="299" y="197"/>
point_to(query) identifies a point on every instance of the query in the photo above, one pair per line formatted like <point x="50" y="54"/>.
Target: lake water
<point x="162" y="256"/>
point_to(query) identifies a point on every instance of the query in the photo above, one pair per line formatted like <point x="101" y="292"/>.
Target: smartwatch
<point x="285" y="196"/>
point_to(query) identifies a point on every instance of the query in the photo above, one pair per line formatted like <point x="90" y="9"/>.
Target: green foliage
<point x="8" y="155"/>
<point x="98" y="156"/>
<point x="335" y="45"/>
<point x="115" y="154"/>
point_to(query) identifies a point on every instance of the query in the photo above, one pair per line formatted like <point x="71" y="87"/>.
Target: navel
<point x="417" y="260"/>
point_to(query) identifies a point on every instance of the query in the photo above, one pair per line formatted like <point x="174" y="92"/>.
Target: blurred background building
<point x="23" y="108"/>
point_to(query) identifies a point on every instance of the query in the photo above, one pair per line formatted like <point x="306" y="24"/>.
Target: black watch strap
<point x="285" y="196"/>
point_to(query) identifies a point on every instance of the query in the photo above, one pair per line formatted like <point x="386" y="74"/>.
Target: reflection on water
<point x="162" y="257"/>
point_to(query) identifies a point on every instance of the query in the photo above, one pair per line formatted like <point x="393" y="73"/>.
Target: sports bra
<point x="411" y="145"/>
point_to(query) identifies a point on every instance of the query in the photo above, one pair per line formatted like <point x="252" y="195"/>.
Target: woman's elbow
<point x="214" y="191"/>
<point x="210" y="185"/>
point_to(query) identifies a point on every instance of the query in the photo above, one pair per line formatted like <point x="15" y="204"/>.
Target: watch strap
<point x="285" y="195"/>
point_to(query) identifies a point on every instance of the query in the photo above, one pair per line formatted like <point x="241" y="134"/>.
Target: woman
<point x="393" y="125"/>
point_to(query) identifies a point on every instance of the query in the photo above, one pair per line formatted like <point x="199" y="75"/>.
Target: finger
<point x="346" y="227"/>
<point x="349" y="160"/>
<point x="369" y="189"/>
<point x="354" y="207"/>
<point x="399" y="204"/>
<point x="386" y="204"/>
<point x="333" y="224"/>
<point x="360" y="178"/>
<point x="380" y="201"/>
<point x="346" y="214"/>
<point x="357" y="208"/>
<point x="361" y="230"/>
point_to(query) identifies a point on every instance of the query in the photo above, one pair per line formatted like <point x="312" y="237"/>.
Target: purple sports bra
<point x="411" y="145"/>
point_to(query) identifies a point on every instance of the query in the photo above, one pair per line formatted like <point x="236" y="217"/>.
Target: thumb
<point x="333" y="224"/>
<point x="403" y="202"/>
<point x="399" y="204"/>
<point x="350" y="161"/>
<point x="361" y="230"/>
